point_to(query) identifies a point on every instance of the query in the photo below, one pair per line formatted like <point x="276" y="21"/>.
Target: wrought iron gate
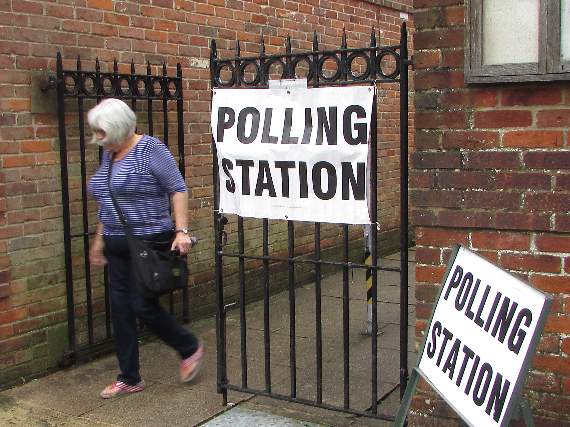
<point x="150" y="96"/>
<point x="255" y="71"/>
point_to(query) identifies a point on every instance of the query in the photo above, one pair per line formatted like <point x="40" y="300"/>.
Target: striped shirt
<point x="142" y="182"/>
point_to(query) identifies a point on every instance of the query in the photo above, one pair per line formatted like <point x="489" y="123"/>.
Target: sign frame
<point x="516" y="405"/>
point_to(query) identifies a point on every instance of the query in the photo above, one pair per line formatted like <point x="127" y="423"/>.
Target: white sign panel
<point x="294" y="153"/>
<point x="480" y="339"/>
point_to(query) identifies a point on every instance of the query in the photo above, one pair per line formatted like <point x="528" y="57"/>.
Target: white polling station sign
<point x="294" y="153"/>
<point x="481" y="337"/>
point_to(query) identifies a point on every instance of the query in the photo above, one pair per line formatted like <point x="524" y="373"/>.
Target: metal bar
<point x="85" y="219"/>
<point x="164" y="91"/>
<point x="65" y="205"/>
<point x="374" y="247"/>
<point x="366" y="82"/>
<point x="164" y="84"/>
<point x="310" y="261"/>
<point x="181" y="166"/>
<point x="220" y="318"/>
<point x="318" y="314"/>
<point x="242" y="318"/>
<point x="266" y="331"/>
<point x="148" y="91"/>
<point x="346" y="318"/>
<point x="307" y="402"/>
<point x="108" y="331"/>
<point x="403" y="210"/>
<point x="132" y="83"/>
<point x="291" y="278"/>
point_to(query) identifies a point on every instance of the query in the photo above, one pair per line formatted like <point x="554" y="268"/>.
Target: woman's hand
<point x="182" y="243"/>
<point x="96" y="257"/>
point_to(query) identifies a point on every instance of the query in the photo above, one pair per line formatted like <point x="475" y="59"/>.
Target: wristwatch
<point x="181" y="230"/>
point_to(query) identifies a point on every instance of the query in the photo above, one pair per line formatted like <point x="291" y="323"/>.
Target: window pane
<point x="565" y="31"/>
<point x="510" y="31"/>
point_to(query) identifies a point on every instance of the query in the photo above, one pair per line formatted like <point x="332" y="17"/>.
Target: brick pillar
<point x="491" y="171"/>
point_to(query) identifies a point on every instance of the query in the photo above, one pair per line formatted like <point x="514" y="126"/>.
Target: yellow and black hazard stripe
<point x="368" y="261"/>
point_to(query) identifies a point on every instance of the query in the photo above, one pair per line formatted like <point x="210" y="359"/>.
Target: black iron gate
<point x="157" y="101"/>
<point x="321" y="68"/>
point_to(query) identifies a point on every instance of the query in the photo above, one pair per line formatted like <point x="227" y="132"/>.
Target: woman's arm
<point x="179" y="202"/>
<point x="96" y="256"/>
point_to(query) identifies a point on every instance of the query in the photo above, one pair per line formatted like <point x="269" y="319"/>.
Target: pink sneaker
<point x="190" y="366"/>
<point x="119" y="387"/>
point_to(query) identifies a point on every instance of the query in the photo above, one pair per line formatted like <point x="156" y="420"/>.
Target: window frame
<point x="549" y="66"/>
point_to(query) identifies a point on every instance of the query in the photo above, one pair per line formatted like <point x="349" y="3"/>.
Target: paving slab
<point x="245" y="417"/>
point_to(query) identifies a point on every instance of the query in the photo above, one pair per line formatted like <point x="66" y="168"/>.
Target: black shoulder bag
<point x="155" y="270"/>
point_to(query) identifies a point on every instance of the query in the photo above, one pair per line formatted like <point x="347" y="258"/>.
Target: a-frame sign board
<point x="480" y="341"/>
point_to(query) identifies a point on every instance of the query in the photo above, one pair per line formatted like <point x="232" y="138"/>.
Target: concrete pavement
<point x="71" y="397"/>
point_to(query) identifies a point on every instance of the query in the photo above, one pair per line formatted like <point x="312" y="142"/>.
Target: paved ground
<point x="70" y="397"/>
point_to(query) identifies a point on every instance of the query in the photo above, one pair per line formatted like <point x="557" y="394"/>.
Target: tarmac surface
<point x="71" y="397"/>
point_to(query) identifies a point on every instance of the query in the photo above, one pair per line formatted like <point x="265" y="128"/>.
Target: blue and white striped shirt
<point x="142" y="183"/>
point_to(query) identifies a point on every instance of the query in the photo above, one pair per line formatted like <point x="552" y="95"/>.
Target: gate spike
<point x="343" y="43"/>
<point x="132" y="66"/>
<point x="78" y="63"/>
<point x="288" y="44"/>
<point x="373" y="37"/>
<point x="148" y="70"/>
<point x="164" y="69"/>
<point x="115" y="66"/>
<point x="262" y="45"/>
<point x="238" y="48"/>
<point x="97" y="65"/>
<point x="213" y="50"/>
<point x="315" y="41"/>
<point x="59" y="64"/>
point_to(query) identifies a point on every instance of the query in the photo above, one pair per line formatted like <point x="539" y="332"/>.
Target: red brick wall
<point x="32" y="289"/>
<point x="491" y="171"/>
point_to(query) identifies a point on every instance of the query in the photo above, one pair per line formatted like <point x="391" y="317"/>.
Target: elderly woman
<point x="146" y="183"/>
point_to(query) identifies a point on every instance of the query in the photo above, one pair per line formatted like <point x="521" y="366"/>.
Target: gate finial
<point x="213" y="50"/>
<point x="148" y="70"/>
<point x="164" y="69"/>
<point x="288" y="44"/>
<point x="78" y="63"/>
<point x="238" y="48"/>
<point x="59" y="64"/>
<point x="315" y="41"/>
<point x="373" y="37"/>
<point x="97" y="65"/>
<point x="132" y="66"/>
<point x="343" y="43"/>
<point x="262" y="45"/>
<point x="115" y="66"/>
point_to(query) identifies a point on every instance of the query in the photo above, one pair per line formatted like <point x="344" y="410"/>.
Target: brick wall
<point x="32" y="288"/>
<point x="492" y="172"/>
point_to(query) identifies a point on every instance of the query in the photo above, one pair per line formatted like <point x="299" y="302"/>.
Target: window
<point x="517" y="40"/>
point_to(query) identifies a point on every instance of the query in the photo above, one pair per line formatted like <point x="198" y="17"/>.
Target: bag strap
<point x="115" y="204"/>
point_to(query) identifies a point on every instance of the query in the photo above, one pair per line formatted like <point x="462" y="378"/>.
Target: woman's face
<point x="99" y="135"/>
<point x="101" y="138"/>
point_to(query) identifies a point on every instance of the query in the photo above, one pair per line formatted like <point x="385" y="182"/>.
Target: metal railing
<point x="77" y="91"/>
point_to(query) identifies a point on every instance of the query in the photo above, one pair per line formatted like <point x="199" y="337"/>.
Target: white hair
<point x="115" y="118"/>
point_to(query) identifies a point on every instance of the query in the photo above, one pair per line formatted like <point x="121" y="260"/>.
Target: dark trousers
<point x="127" y="304"/>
